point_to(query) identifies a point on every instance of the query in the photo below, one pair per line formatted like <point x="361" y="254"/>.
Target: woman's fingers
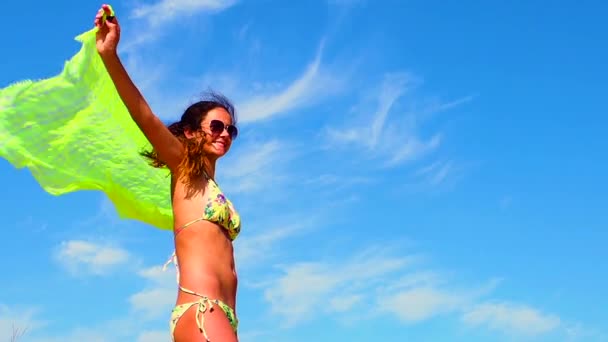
<point x="105" y="16"/>
<point x="98" y="17"/>
<point x="106" y="10"/>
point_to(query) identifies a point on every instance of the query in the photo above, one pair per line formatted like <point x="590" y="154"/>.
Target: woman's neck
<point x="212" y="168"/>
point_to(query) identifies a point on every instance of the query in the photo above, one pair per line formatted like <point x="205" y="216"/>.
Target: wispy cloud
<point x="393" y="87"/>
<point x="580" y="332"/>
<point x="147" y="306"/>
<point x="379" y="279"/>
<point x="83" y="257"/>
<point x="511" y="318"/>
<point x="154" y="302"/>
<point x="338" y="190"/>
<point x="420" y="303"/>
<point x="154" y="336"/>
<point x="261" y="100"/>
<point x="147" y="76"/>
<point x="314" y="85"/>
<point x="78" y="334"/>
<point x="399" y="139"/>
<point x="400" y="286"/>
<point x="437" y="172"/>
<point x="169" y="10"/>
<point x="255" y="166"/>
<point x="13" y="320"/>
<point x="255" y="249"/>
<point x="256" y="99"/>
<point x="102" y="228"/>
<point x="370" y="130"/>
<point x="413" y="148"/>
<point x="303" y="287"/>
<point x="158" y="297"/>
<point x="119" y="329"/>
<point x="334" y="180"/>
<point x="425" y="294"/>
<point x="151" y="19"/>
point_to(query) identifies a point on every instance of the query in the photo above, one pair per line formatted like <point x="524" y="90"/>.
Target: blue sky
<point x="406" y="171"/>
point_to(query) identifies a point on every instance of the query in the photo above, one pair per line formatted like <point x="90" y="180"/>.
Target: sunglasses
<point x="217" y="127"/>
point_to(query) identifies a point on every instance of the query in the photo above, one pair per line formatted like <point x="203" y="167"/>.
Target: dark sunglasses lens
<point x="233" y="131"/>
<point x="216" y="126"/>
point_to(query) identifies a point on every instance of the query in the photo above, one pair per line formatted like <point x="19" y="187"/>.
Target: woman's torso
<point x="204" y="249"/>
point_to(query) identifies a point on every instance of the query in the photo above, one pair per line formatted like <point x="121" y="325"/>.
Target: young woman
<point x="205" y="222"/>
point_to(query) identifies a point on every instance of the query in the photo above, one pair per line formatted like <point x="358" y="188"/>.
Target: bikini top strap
<point x="209" y="179"/>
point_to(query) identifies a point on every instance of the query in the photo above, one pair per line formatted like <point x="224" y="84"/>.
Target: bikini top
<point x="218" y="210"/>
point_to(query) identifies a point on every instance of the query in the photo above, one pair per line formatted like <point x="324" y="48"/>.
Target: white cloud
<point x="154" y="17"/>
<point x="262" y="101"/>
<point x="437" y="172"/>
<point x="420" y="303"/>
<point x="78" y="334"/>
<point x="391" y="285"/>
<point x="154" y="302"/>
<point x="254" y="167"/>
<point x="395" y="137"/>
<point x="168" y="10"/>
<point x="18" y="322"/>
<point x="511" y="318"/>
<point x="393" y="87"/>
<point x="304" y="287"/>
<point x="579" y="332"/>
<point x="251" y="161"/>
<point x="373" y="128"/>
<point x="311" y="87"/>
<point x="147" y="76"/>
<point x="82" y="257"/>
<point x="419" y="295"/>
<point x="158" y="297"/>
<point x="439" y="106"/>
<point x="257" y="335"/>
<point x="424" y="294"/>
<point x="338" y="181"/>
<point x="254" y="249"/>
<point x="154" y="336"/>
<point x="344" y="303"/>
<point x="125" y="328"/>
<point x="299" y="291"/>
<point x="413" y="148"/>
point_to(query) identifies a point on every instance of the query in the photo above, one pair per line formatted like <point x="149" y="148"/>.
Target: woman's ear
<point x="188" y="133"/>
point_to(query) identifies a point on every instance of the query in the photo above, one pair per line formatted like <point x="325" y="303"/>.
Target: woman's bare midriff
<point x="204" y="250"/>
<point x="206" y="263"/>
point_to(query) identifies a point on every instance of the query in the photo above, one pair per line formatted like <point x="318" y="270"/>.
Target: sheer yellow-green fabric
<point x="73" y="132"/>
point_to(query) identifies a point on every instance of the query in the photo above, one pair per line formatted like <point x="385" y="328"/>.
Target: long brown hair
<point x="194" y="163"/>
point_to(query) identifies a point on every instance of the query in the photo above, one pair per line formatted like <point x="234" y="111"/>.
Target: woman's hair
<point x="194" y="163"/>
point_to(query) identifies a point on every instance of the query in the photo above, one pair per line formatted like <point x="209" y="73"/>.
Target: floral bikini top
<point x="218" y="210"/>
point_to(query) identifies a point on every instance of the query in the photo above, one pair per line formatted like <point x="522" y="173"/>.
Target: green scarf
<point x="73" y="132"/>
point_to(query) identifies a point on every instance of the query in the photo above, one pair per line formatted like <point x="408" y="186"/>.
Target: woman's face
<point x="219" y="132"/>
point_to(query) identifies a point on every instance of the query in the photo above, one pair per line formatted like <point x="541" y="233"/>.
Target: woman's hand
<point x="108" y="34"/>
